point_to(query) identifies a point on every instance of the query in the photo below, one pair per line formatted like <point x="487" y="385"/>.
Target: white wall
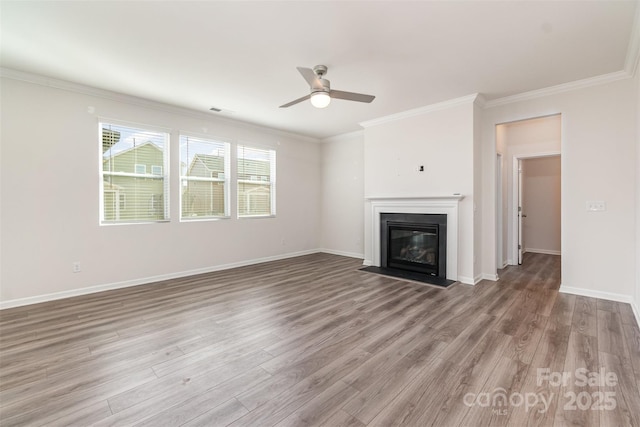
<point x="478" y="178"/>
<point x="598" y="163"/>
<point x="50" y="199"/>
<point x="541" y="204"/>
<point x="342" y="221"/>
<point x="637" y="113"/>
<point x="441" y="140"/>
<point x="502" y="217"/>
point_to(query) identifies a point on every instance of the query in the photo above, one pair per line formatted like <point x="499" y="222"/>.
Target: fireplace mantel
<point x="375" y="205"/>
<point x="454" y="197"/>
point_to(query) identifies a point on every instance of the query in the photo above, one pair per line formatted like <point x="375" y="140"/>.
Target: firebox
<point x="414" y="242"/>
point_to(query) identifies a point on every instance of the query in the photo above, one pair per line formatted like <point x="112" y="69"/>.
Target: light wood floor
<point x="314" y="341"/>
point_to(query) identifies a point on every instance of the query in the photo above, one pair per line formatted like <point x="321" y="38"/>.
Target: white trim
<point x="543" y="251"/>
<point x="342" y="253"/>
<point x="455" y="197"/>
<point x="633" y="50"/>
<point x="344" y="137"/>
<point x="421" y="205"/>
<point x="492" y="277"/>
<point x="468" y="280"/>
<point x="604" y="295"/>
<point x="515" y="190"/>
<point x="596" y="294"/>
<point x="145" y="280"/>
<point x="553" y="90"/>
<point x="469" y="99"/>
<point x="636" y="312"/>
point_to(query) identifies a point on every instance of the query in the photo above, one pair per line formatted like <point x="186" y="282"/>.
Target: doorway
<point x="538" y="211"/>
<point x="528" y="185"/>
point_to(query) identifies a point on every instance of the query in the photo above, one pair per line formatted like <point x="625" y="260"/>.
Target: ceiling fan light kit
<point x="321" y="92"/>
<point x="320" y="99"/>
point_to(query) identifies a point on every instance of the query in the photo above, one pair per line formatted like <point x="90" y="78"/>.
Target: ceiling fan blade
<point x="311" y="77"/>
<point x="351" y="96"/>
<point x="289" y="104"/>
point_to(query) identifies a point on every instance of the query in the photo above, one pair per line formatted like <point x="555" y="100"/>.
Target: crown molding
<point x="143" y="102"/>
<point x="348" y="136"/>
<point x="421" y="110"/>
<point x="633" y="50"/>
<point x="480" y="100"/>
<point x="553" y="90"/>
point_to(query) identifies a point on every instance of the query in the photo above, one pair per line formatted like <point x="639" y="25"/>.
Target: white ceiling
<point x="241" y="56"/>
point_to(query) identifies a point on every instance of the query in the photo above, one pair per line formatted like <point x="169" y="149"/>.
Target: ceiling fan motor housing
<point x="326" y="86"/>
<point x="320" y="70"/>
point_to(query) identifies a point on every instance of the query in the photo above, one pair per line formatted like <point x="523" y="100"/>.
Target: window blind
<point x="134" y="187"/>
<point x="256" y="175"/>
<point x="204" y="168"/>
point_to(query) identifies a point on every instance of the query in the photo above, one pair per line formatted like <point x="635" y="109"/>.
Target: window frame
<point x="164" y="177"/>
<point x="225" y="179"/>
<point x="258" y="179"/>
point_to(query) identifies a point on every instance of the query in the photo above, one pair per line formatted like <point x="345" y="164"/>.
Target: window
<point x="128" y="193"/>
<point x="256" y="182"/>
<point x="204" y="164"/>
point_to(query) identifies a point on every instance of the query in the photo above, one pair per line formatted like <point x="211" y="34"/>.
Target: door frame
<point x="515" y="215"/>
<point x="500" y="249"/>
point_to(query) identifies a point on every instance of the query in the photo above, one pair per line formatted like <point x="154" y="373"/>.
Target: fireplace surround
<point x="377" y="205"/>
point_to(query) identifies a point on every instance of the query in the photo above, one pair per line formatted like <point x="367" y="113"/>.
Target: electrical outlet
<point x="596" y="206"/>
<point x="76" y="267"/>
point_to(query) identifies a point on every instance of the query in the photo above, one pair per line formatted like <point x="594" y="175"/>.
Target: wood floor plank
<point x="219" y="371"/>
<point x="474" y="372"/>
<point x="585" y="316"/>
<point x="288" y="401"/>
<point x="582" y="353"/>
<point x="405" y="408"/>
<point x="206" y="402"/>
<point x="221" y="415"/>
<point x="618" y="394"/>
<point x="313" y="341"/>
<point x="507" y="380"/>
<point x="320" y="409"/>
<point x="377" y="392"/>
<point x="342" y="419"/>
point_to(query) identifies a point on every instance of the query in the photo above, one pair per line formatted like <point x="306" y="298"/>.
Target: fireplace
<point x="414" y="243"/>
<point x="445" y="205"/>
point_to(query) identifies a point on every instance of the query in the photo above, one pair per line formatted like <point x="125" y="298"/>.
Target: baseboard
<point x="597" y="294"/>
<point x="367" y="262"/>
<point x="543" y="251"/>
<point x="469" y="280"/>
<point x="146" y="280"/>
<point x="604" y="295"/>
<point x="492" y="277"/>
<point x="636" y="311"/>
<point x="341" y="253"/>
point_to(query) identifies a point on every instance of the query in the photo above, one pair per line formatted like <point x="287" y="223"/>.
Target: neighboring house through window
<point x="256" y="181"/>
<point x="129" y="193"/>
<point x="204" y="187"/>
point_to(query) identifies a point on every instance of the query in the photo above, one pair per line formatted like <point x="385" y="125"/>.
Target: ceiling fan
<point x="321" y="92"/>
